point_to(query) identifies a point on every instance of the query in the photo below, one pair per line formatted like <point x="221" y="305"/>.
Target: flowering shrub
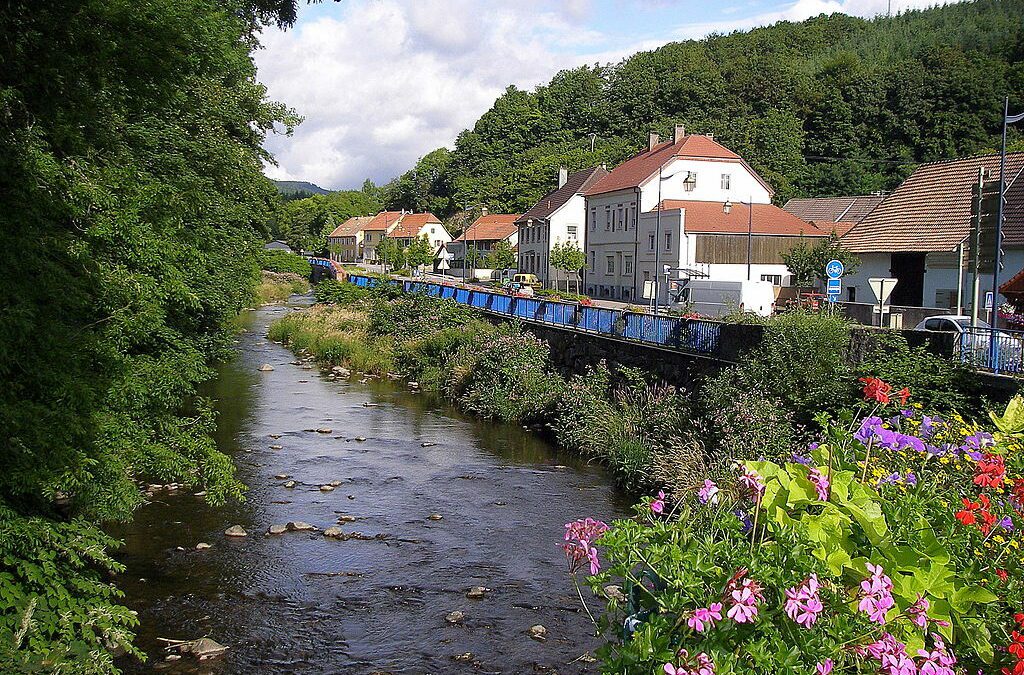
<point x="891" y="546"/>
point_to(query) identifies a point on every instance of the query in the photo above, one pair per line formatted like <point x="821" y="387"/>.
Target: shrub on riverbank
<point x="336" y="336"/>
<point x="284" y="262"/>
<point x="279" y="286"/>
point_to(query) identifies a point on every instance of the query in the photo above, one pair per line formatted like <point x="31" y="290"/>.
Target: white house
<point x="557" y="218"/>
<point x="416" y="225"/>
<point x="690" y="174"/>
<point x="920" y="234"/>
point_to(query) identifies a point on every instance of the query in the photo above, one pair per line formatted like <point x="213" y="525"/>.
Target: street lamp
<point x="726" y="209"/>
<point x="657" y="234"/>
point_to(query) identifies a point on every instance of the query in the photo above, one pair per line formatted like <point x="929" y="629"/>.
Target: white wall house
<point x="558" y="217"/>
<point x="920" y="235"/>
<point x="690" y="167"/>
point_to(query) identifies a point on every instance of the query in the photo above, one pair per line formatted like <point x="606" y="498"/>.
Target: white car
<point x="974" y="344"/>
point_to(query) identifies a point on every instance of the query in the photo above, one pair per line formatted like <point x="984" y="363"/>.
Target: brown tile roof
<point x="410" y="224"/>
<point x="492" y="227"/>
<point x="636" y="170"/>
<point x="931" y="210"/>
<point x="1015" y="285"/>
<point x="846" y="211"/>
<point x="383" y="220"/>
<point x="556" y="199"/>
<point x="351" y="226"/>
<point x="768" y="219"/>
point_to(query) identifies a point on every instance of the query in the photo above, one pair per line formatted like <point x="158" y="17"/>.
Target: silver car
<point x="973" y="344"/>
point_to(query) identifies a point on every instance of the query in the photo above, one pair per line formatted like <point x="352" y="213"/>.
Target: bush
<point x="745" y="423"/>
<point x="505" y="375"/>
<point x="283" y="261"/>
<point x="341" y="293"/>
<point x="279" y="286"/>
<point x="335" y="336"/>
<point x="424" y="357"/>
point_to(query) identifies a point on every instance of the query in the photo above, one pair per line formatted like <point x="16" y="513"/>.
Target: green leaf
<point x="1012" y="420"/>
<point x="969" y="595"/>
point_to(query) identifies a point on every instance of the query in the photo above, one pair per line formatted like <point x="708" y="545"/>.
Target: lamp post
<point x="726" y="208"/>
<point x="657" y="234"/>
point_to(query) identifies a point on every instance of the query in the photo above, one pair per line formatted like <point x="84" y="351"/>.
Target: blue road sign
<point x="834" y="269"/>
<point x="834" y="286"/>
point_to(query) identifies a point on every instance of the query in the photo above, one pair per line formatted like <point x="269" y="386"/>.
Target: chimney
<point x="652" y="141"/>
<point x="679" y="133"/>
<point x="711" y="136"/>
<point x="483" y="211"/>
<point x="563" y="175"/>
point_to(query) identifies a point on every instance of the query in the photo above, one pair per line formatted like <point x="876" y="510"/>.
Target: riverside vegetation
<point x="808" y="518"/>
<point x="133" y="205"/>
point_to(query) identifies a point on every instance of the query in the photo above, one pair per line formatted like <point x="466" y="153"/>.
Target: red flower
<point x="1019" y="618"/>
<point x="903" y="394"/>
<point x="1017" y="646"/>
<point x="876" y="390"/>
<point x="991" y="471"/>
<point x="966" y="516"/>
<point x="1017" y="491"/>
<point x="1002" y="574"/>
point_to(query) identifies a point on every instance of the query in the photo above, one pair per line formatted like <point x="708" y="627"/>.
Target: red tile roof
<point x="410" y="224"/>
<point x="636" y="170"/>
<point x="931" y="210"/>
<point x="768" y="219"/>
<point x="383" y="220"/>
<point x="351" y="226"/>
<point x="492" y="227"/>
<point x="577" y="183"/>
<point x="1014" y="286"/>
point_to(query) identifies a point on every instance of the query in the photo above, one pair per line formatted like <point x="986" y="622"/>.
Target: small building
<point x="714" y="241"/>
<point x="375" y="230"/>
<point x="345" y="243"/>
<point x="483" y="234"/>
<point x="277" y="245"/>
<point x="834" y="214"/>
<point x="920" y="235"/>
<point x="410" y="226"/>
<point x="690" y="168"/>
<point x="559" y="217"/>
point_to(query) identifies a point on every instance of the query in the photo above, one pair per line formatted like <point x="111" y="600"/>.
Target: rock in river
<point x="326" y="488"/>
<point x="477" y="592"/>
<point x="282" y="476"/>
<point x="325" y="430"/>
<point x="202" y="546"/>
<point x="299" y="526"/>
<point x="435" y="516"/>
<point x="455" y="617"/>
<point x="266" y="368"/>
<point x="334" y="532"/>
<point x="290" y="484"/>
<point x="538" y="632"/>
<point x="277" y="529"/>
<point x="203" y="648"/>
<point x="235" y="531"/>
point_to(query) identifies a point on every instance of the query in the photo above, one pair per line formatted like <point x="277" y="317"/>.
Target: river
<point x="302" y="603"/>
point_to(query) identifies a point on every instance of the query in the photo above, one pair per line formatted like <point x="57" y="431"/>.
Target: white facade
<point x="941" y="278"/>
<point x="538" y="237"/>
<point x="618" y="254"/>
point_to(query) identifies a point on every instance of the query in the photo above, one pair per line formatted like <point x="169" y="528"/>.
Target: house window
<point x="607" y="218"/>
<point x="622" y="220"/>
<point x="610" y="267"/>
<point x="433" y="230"/>
<point x="571" y="231"/>
<point x="627" y="265"/>
<point x="726" y="180"/>
<point x="593" y="219"/>
<point x="668" y="241"/>
<point x="652" y="241"/>
<point x="593" y="261"/>
<point x="776" y="279"/>
<point x="851" y="294"/>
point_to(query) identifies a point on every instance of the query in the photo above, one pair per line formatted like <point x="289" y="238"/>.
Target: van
<point x="527" y="280"/>
<point x="718" y="298"/>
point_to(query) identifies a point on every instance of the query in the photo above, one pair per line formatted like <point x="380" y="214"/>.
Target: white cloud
<point x="384" y="82"/>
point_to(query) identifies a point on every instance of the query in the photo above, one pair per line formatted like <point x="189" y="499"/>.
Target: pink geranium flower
<point x="658" y="503"/>
<point x="705" y="618"/>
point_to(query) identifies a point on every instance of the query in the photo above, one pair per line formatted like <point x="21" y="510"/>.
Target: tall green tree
<point x="132" y="202"/>
<point x="501" y="256"/>
<point x="420" y="252"/>
<point x="568" y="258"/>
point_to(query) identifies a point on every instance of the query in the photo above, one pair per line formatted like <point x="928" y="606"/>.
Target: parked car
<point x="527" y="280"/>
<point x="974" y="343"/>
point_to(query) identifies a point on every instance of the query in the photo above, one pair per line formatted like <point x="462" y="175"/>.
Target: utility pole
<point x="750" y="234"/>
<point x="976" y="248"/>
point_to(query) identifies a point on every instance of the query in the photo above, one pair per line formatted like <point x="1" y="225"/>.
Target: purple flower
<point x="876" y="591"/>
<point x="803" y="604"/>
<point x="1007" y="524"/>
<point x="708" y="493"/>
<point x="658" y="503"/>
<point x="800" y="459"/>
<point x="823" y="667"/>
<point x="744" y="517"/>
<point x="869" y="427"/>
<point x="744" y="607"/>
<point x="705" y="618"/>
<point x="911" y="479"/>
<point x="820" y="481"/>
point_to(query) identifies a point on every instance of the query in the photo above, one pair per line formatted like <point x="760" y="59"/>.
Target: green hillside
<point x="291" y="188"/>
<point x="832" y="105"/>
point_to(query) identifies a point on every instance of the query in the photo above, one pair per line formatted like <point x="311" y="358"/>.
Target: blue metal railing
<point x="691" y="335"/>
<point x="997" y="350"/>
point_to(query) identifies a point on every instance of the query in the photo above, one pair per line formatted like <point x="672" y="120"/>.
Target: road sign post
<point x="834" y="285"/>
<point x="882" y="288"/>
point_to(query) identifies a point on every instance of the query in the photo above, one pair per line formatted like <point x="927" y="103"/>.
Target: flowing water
<point x="303" y="603"/>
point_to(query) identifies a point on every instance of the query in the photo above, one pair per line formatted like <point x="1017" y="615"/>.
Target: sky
<point x="381" y="83"/>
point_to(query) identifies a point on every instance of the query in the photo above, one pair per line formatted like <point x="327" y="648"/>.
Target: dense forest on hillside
<point x="305" y="223"/>
<point x="832" y="105"/>
<point x="132" y="202"/>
